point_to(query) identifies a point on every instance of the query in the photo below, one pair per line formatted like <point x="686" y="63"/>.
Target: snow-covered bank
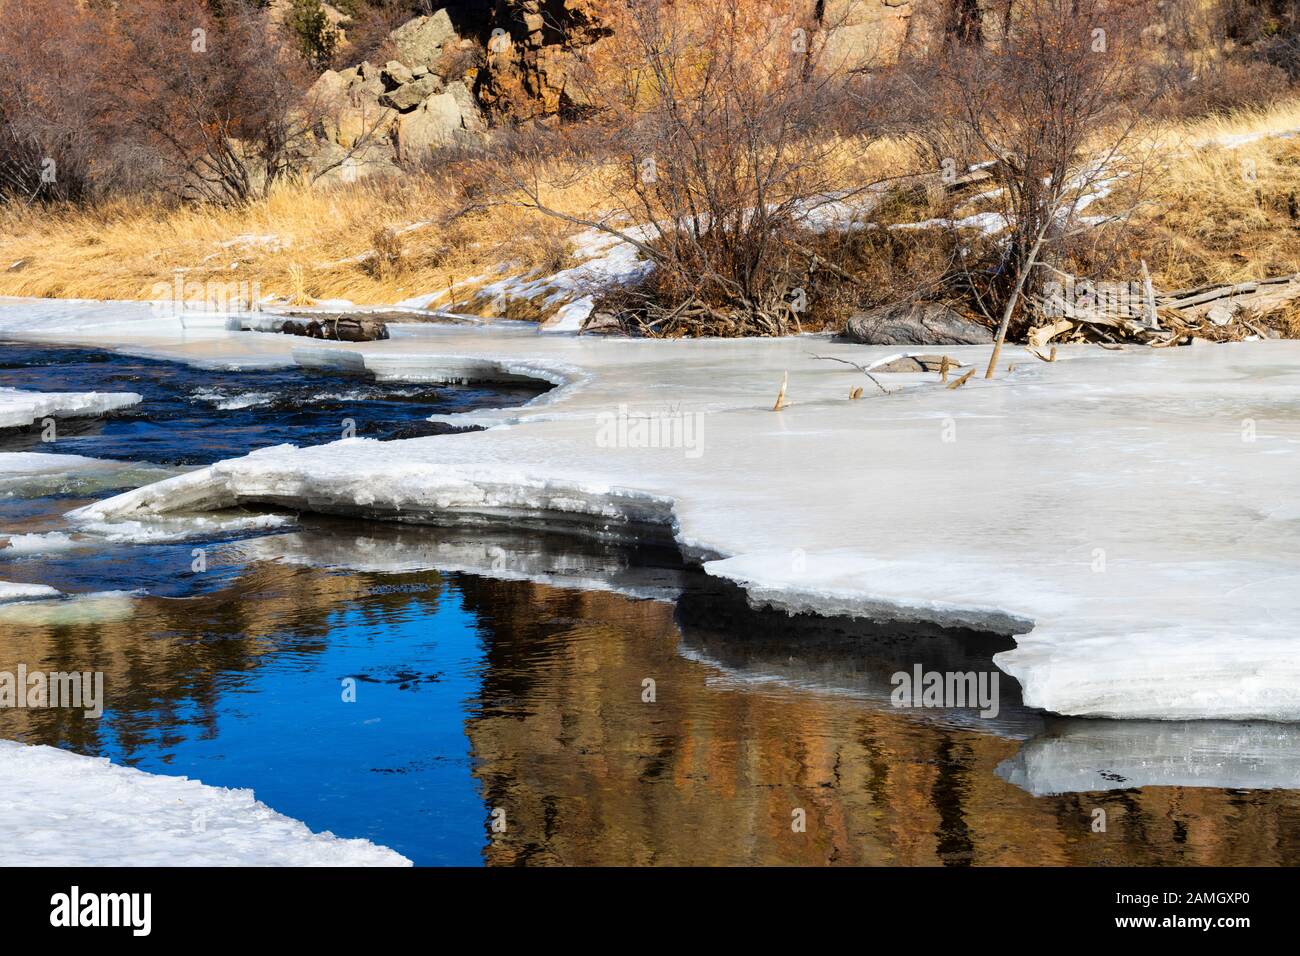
<point x="64" y="809"/>
<point x="19" y="408"/>
<point x="1131" y="515"/>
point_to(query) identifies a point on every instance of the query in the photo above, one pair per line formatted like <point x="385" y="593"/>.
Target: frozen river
<point x="1116" y="531"/>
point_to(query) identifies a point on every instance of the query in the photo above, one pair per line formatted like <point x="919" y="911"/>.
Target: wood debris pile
<point x="1111" y="315"/>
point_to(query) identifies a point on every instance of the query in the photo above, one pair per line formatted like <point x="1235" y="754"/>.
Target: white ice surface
<point x="65" y="809"/>
<point x="24" y="472"/>
<point x="40" y="463"/>
<point x="1132" y="515"/>
<point x="10" y="591"/>
<point x="18" y="408"/>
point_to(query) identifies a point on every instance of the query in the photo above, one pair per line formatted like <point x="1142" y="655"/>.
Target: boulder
<point x="434" y="123"/>
<point x="365" y="80"/>
<point x="420" y="42"/>
<point x="410" y="95"/>
<point x="914" y="323"/>
<point x="349" y="103"/>
<point x="395" y="74"/>
<point x="330" y="87"/>
<point x="330" y="163"/>
<point x="861" y="34"/>
<point x="471" y="117"/>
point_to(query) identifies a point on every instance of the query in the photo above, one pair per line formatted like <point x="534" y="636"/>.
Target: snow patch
<point x="126" y="817"/>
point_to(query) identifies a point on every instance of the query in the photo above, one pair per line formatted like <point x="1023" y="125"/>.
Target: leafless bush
<point x="1052" y="108"/>
<point x="387" y="258"/>
<point x="715" y="147"/>
<point x="217" y="97"/>
<point x="48" y="143"/>
<point x="192" y="97"/>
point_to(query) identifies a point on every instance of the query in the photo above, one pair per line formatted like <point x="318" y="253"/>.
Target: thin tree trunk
<point x="1015" y="295"/>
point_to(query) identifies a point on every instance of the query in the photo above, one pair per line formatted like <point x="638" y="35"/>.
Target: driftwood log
<point x="340" y="328"/>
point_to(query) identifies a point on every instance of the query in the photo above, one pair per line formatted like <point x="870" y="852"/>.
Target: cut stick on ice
<point x="962" y="381"/>
<point x="780" y="396"/>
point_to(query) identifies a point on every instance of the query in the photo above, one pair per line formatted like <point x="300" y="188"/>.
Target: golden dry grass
<point x="299" y="243"/>
<point x="1221" y="205"/>
<point x="371" y="242"/>
<point x="1217" y="207"/>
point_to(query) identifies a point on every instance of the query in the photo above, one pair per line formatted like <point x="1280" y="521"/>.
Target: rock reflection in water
<point x="478" y="693"/>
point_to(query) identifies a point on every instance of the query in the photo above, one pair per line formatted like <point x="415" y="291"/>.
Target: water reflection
<point x="477" y="692"/>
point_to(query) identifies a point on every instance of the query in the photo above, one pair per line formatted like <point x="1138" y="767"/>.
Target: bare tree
<point x="1050" y="107"/>
<point x="213" y="92"/>
<point x="716" y="143"/>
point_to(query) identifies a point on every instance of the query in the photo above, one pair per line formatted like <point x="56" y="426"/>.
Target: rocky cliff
<point x="458" y="71"/>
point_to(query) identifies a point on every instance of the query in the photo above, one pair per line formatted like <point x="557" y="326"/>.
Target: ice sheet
<point x="483" y="552"/>
<point x="125" y="817"/>
<point x="1131" y="515"/>
<point x="11" y="591"/>
<point x="19" y="408"/>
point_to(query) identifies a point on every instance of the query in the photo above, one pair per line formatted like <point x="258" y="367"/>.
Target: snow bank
<point x="64" y="809"/>
<point x="1130" y="515"/>
<point x="18" y="408"/>
<point x="606" y="261"/>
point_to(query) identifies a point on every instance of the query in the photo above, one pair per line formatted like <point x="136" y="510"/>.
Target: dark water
<point x="194" y="417"/>
<point x="481" y="698"/>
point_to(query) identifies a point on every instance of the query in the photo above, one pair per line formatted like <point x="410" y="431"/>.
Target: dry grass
<point x="370" y="242"/>
<point x="1220" y="207"/>
<point x="1223" y="204"/>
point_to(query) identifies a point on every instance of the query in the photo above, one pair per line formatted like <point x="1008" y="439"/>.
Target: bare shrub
<point x="713" y="151"/>
<point x="49" y="147"/>
<point x="218" y="98"/>
<point x="386" y="260"/>
<point x="192" y="97"/>
<point x="1053" y="109"/>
